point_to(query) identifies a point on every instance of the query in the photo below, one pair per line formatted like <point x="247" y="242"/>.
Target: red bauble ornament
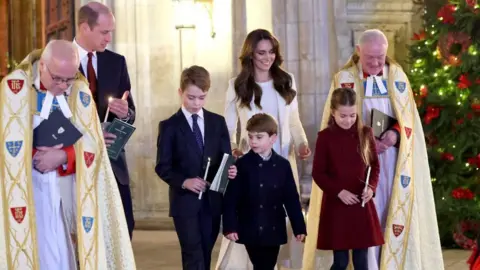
<point x="448" y="156"/>
<point x="446" y="14"/>
<point x="432" y="113"/>
<point x="471" y="3"/>
<point x="475" y="105"/>
<point x="423" y="91"/>
<point x="464" y="82"/>
<point x="472" y="161"/>
<point x="463" y="193"/>
<point x="459" y="235"/>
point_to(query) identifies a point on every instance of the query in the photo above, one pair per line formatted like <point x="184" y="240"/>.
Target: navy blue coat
<point x="256" y="200"/>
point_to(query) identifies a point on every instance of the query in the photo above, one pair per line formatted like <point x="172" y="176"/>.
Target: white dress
<point x="234" y="256"/>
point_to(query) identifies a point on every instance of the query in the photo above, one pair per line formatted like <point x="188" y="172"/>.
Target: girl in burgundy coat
<point x="343" y="154"/>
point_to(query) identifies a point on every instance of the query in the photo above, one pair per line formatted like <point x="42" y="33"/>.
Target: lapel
<point x="208" y="136"/>
<point x="187" y="131"/>
<point x="282" y="109"/>
<point x="81" y="70"/>
<point x="101" y="73"/>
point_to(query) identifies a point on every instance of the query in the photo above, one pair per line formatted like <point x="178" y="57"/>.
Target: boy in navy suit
<point x="255" y="203"/>
<point x="186" y="141"/>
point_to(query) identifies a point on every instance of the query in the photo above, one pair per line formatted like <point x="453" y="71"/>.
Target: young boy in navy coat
<point x="255" y="202"/>
<point x="186" y="141"/>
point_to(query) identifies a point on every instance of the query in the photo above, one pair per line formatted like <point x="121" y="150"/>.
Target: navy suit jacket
<point x="179" y="158"/>
<point x="256" y="200"/>
<point x="113" y="81"/>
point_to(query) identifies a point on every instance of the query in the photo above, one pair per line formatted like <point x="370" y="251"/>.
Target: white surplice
<point x="54" y="198"/>
<point x="387" y="159"/>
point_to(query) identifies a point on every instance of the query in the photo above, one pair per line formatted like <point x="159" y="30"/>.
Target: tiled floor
<point x="160" y="250"/>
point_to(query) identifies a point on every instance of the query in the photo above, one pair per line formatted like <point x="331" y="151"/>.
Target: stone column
<point x="239" y="18"/>
<point x="145" y="36"/>
<point x="305" y="29"/>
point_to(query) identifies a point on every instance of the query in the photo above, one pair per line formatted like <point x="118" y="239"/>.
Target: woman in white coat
<point x="263" y="86"/>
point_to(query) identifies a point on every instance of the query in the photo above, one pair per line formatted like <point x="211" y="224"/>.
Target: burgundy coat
<point x="338" y="165"/>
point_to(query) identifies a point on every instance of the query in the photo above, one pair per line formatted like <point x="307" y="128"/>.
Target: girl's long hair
<point x="245" y="85"/>
<point x="347" y="97"/>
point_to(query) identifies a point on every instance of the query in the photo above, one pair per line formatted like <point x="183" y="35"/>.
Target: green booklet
<point x="123" y="131"/>
<point x="220" y="182"/>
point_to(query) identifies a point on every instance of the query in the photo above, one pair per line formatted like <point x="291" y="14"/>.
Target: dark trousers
<point x="263" y="257"/>
<point x="126" y="197"/>
<point x="341" y="259"/>
<point x="197" y="236"/>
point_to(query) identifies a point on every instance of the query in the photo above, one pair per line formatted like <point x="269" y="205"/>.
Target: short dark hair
<point x="195" y="75"/>
<point x="89" y="15"/>
<point x="262" y="122"/>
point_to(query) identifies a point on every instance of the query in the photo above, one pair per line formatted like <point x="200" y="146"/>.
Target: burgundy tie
<point x="92" y="78"/>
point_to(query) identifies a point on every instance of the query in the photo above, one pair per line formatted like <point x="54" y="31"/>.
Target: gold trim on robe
<point x="102" y="240"/>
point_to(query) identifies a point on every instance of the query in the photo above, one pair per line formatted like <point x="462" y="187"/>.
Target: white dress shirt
<point x="200" y="120"/>
<point x="83" y="56"/>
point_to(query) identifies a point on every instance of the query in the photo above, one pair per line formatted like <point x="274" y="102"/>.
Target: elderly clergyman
<point x="60" y="205"/>
<point x="404" y="196"/>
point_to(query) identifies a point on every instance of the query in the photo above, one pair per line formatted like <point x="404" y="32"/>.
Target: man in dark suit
<point x="186" y="141"/>
<point x="109" y="82"/>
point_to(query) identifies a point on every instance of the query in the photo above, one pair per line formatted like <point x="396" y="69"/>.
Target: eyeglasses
<point x="59" y="80"/>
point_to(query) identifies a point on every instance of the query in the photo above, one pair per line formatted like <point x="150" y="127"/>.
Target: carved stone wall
<point x="398" y="19"/>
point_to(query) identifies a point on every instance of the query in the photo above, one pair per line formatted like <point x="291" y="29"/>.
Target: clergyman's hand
<point x="381" y="147"/>
<point x="48" y="159"/>
<point x="389" y="138"/>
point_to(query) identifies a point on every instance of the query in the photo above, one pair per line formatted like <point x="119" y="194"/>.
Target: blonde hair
<point x="348" y="97"/>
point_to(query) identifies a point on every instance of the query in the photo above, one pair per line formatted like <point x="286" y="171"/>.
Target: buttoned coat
<point x="257" y="201"/>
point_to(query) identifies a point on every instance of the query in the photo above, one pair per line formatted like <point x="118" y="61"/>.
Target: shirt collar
<point x="363" y="75"/>
<point x="82" y="53"/>
<point x="188" y="114"/>
<point x="266" y="158"/>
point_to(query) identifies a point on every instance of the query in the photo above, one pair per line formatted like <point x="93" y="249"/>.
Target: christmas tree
<point x="445" y="78"/>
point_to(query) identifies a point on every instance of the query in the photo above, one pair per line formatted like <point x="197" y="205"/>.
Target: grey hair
<point x="372" y="35"/>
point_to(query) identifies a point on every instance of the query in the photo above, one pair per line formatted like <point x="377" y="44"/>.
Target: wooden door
<point x="4" y="48"/>
<point x="59" y="19"/>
